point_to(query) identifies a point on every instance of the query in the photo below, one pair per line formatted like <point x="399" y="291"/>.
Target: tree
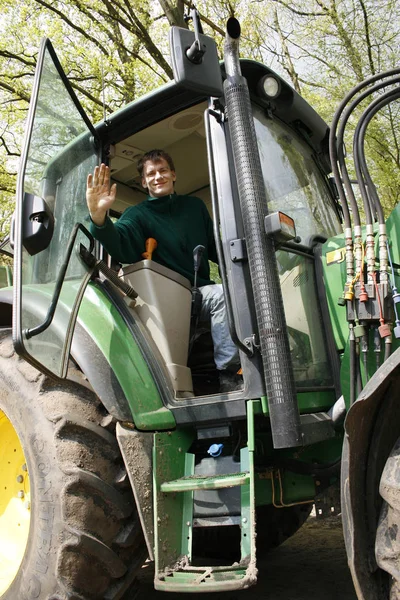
<point x="328" y="46"/>
<point x="113" y="52"/>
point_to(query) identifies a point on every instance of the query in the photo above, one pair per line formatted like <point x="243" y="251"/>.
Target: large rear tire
<point x="387" y="545"/>
<point x="70" y="494"/>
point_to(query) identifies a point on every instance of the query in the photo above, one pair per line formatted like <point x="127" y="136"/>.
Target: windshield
<point x="293" y="182"/>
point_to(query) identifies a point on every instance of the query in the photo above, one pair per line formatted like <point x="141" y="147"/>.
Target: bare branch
<point x="20" y="95"/>
<point x="287" y="59"/>
<point x="73" y="25"/>
<point x="8" y="151"/>
<point x="207" y="20"/>
<point x="367" y="37"/>
<point x="174" y="14"/>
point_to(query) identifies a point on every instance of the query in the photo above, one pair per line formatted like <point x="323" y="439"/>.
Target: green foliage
<point x="114" y="52"/>
<point x="214" y="273"/>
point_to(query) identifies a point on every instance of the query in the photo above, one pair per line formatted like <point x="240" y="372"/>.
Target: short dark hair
<point x="154" y="156"/>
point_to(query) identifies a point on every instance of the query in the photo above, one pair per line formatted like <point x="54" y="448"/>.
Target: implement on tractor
<point x="129" y="446"/>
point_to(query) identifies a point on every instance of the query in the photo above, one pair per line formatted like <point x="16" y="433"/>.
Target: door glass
<point x="60" y="154"/>
<point x="304" y="321"/>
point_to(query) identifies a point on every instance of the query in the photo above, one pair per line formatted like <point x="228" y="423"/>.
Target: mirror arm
<point x="197" y="50"/>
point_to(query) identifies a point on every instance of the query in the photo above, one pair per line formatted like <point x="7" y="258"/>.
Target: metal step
<point x="205" y="482"/>
<point x="175" y="483"/>
<point x="207" y="579"/>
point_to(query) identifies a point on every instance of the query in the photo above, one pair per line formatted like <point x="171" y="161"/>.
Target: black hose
<point x="218" y="244"/>
<point x="275" y="350"/>
<point x="335" y="143"/>
<point x="360" y="163"/>
<point x="388" y="349"/>
<point x="353" y="360"/>
<point x="340" y="142"/>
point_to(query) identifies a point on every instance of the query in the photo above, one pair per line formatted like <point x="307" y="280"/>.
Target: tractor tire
<point x="387" y="544"/>
<point x="68" y="523"/>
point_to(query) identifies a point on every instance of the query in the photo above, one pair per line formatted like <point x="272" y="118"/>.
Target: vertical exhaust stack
<point x="278" y="371"/>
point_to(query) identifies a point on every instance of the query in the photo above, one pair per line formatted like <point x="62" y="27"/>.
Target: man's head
<point x="157" y="171"/>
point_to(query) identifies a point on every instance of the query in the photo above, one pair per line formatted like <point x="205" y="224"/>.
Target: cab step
<point x="205" y="482"/>
<point x="181" y="490"/>
<point x="207" y="579"/>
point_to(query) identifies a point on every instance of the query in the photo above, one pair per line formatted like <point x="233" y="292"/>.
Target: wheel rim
<point x="14" y="503"/>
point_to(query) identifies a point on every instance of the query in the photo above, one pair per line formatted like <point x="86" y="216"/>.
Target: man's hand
<point x="99" y="195"/>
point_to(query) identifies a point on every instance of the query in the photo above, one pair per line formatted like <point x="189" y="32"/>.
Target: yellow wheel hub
<point x="14" y="503"/>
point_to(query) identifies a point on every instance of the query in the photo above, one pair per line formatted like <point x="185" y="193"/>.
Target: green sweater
<point x="178" y="223"/>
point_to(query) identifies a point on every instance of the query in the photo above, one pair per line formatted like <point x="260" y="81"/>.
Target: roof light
<point x="270" y="86"/>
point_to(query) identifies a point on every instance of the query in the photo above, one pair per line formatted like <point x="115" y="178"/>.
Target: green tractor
<point x="116" y="443"/>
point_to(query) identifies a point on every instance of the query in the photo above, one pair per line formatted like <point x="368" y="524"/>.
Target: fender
<point x="372" y="427"/>
<point x="113" y="384"/>
<point x="92" y="363"/>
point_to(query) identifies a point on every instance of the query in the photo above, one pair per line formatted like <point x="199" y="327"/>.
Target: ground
<point x="312" y="564"/>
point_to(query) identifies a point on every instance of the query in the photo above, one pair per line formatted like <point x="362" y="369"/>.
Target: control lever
<point x="197" y="256"/>
<point x="196" y="294"/>
<point x="150" y="245"/>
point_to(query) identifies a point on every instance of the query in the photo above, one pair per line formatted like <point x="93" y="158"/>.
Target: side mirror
<point x="195" y="70"/>
<point x="37" y="224"/>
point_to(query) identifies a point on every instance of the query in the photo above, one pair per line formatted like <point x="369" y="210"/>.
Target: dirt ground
<point x="310" y="565"/>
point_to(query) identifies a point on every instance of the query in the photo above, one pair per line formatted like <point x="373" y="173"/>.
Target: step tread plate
<point x="207" y="579"/>
<point x="206" y="482"/>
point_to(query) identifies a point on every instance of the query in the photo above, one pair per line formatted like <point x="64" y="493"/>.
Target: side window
<point x="304" y="321"/>
<point x="292" y="179"/>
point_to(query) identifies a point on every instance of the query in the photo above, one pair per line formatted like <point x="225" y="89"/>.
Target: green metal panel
<point x="205" y="482"/>
<point x="187" y="513"/>
<point x="307" y="402"/>
<point x="169" y="463"/>
<point x="334" y="268"/>
<point x="248" y="501"/>
<point x="102" y="321"/>
<point x="172" y="461"/>
<point x="393" y="233"/>
<point x="296" y="487"/>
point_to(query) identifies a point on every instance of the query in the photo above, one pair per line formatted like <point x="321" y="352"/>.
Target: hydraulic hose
<point x="274" y="343"/>
<point x="335" y="143"/>
<point x="359" y="154"/>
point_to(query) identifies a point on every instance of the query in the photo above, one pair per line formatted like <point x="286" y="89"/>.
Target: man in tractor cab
<point x="179" y="223"/>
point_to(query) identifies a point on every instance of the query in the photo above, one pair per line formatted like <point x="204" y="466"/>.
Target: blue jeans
<point x="213" y="313"/>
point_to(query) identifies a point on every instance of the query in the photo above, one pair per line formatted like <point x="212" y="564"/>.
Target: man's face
<point x="158" y="178"/>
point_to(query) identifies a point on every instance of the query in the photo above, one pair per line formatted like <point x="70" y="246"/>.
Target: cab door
<point x="51" y="219"/>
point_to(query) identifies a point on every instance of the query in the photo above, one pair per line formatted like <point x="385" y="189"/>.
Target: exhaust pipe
<point x="274" y="343"/>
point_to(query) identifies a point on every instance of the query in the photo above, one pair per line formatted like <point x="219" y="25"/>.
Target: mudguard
<point x="113" y="356"/>
<point x="372" y="427"/>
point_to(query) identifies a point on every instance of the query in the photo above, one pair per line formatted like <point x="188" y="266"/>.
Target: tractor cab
<point x="53" y="222"/>
<point x="297" y="186"/>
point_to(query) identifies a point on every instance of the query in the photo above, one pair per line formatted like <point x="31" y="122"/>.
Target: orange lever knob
<point x="151" y="245"/>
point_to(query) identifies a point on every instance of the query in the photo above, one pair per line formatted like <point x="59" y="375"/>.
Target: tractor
<point x="117" y="444"/>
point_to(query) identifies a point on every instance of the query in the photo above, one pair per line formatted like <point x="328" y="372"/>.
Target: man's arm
<point x="99" y="195"/>
<point x="125" y="240"/>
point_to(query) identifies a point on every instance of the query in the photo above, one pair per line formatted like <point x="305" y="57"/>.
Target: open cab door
<point x="49" y="276"/>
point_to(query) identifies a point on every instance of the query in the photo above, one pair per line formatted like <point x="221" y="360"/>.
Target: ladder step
<point x="205" y="482"/>
<point x="207" y="579"/>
